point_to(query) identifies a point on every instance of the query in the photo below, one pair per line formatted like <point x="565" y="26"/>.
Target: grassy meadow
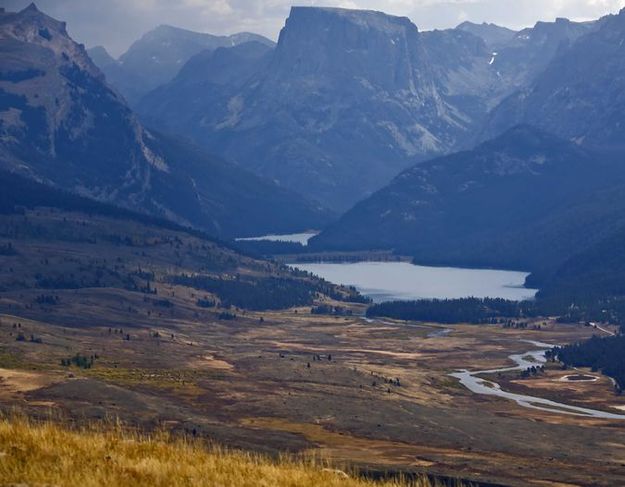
<point x="49" y="454"/>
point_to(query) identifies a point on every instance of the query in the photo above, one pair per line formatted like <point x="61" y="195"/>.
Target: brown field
<point x="115" y="457"/>
<point x="295" y="382"/>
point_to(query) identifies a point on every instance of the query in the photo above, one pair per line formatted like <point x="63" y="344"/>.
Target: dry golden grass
<point x="49" y="454"/>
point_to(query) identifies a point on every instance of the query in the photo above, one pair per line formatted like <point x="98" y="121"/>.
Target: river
<point x="478" y="385"/>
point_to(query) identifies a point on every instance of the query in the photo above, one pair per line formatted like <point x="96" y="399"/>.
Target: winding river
<point x="478" y="385"/>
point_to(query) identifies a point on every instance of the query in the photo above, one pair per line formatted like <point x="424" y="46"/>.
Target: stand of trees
<point x="496" y="310"/>
<point x="606" y="355"/>
<point x="267" y="293"/>
<point x="253" y="294"/>
<point x="81" y="361"/>
<point x="7" y="249"/>
<point x="466" y="310"/>
<point x="260" y="248"/>
<point x="326" y="309"/>
<point x="205" y="303"/>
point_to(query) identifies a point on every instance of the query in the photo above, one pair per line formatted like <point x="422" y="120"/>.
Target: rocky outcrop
<point x="345" y="101"/>
<point x="61" y="124"/>
<point x="580" y="96"/>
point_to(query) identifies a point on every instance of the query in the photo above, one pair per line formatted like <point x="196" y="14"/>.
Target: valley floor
<point x="93" y="328"/>
<point x="322" y="386"/>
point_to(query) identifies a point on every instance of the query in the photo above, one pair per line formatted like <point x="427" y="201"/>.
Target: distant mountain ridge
<point x="493" y="35"/>
<point x="349" y="98"/>
<point x="346" y="100"/>
<point x="62" y="125"/>
<point x="580" y="94"/>
<point x="525" y="200"/>
<point x="158" y="56"/>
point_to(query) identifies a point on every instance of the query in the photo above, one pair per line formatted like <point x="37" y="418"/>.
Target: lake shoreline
<point x="403" y="281"/>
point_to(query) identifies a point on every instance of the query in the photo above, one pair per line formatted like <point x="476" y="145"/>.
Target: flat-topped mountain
<point x="61" y="124"/>
<point x="346" y="100"/>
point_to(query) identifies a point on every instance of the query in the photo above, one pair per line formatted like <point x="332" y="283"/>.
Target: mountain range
<point x="158" y="56"/>
<point x="580" y="94"/>
<point x="525" y="200"/>
<point x="473" y="146"/>
<point x="61" y="124"/>
<point x="544" y="192"/>
<point x="347" y="99"/>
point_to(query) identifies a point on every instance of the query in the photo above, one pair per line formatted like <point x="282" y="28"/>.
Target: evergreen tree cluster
<point x="47" y="299"/>
<point x="7" y="250"/>
<point x="465" y="310"/>
<point x="326" y="309"/>
<point x="606" y="355"/>
<point x="253" y="294"/>
<point x="81" y="361"/>
<point x="205" y="303"/>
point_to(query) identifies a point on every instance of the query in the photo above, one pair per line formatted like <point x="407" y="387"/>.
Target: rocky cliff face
<point x="209" y="79"/>
<point x="349" y="98"/>
<point x="493" y="35"/>
<point x="531" y="50"/>
<point x="62" y="125"/>
<point x="346" y="100"/>
<point x="580" y="96"/>
<point x="56" y="107"/>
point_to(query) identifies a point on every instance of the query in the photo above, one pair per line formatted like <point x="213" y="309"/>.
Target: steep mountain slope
<point x="101" y="57"/>
<point x="158" y="56"/>
<point x="580" y="96"/>
<point x="346" y="100"/>
<point x="31" y="215"/>
<point x="525" y="200"/>
<point x="462" y="71"/>
<point x="61" y="124"/>
<point x="597" y="272"/>
<point x="203" y="83"/>
<point x="493" y="35"/>
<point x="531" y="50"/>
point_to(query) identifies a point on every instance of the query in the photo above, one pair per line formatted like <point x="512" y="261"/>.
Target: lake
<point x="391" y="281"/>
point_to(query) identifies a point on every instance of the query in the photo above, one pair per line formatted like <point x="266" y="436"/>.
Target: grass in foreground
<point x="49" y="454"/>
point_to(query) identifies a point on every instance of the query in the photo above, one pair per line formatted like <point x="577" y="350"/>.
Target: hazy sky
<point x="115" y="24"/>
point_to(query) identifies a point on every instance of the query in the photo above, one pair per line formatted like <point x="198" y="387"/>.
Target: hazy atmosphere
<point x="115" y="24"/>
<point x="384" y="251"/>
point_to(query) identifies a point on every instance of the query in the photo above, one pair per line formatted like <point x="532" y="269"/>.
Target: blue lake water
<point x="390" y="281"/>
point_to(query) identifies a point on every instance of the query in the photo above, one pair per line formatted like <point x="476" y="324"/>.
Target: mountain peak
<point x="32" y="26"/>
<point x="100" y="56"/>
<point x="338" y="43"/>
<point x="21" y="25"/>
<point x="364" y="18"/>
<point x="468" y="23"/>
<point x="493" y="35"/>
<point x="348" y="29"/>
<point x="32" y="8"/>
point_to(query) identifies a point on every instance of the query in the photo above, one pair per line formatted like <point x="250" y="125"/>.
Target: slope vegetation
<point x="60" y="123"/>
<point x="526" y="200"/>
<point x="38" y="454"/>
